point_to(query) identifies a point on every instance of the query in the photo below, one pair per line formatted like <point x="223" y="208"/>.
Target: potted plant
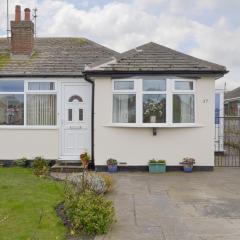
<point x="152" y="110"/>
<point x="85" y="158"/>
<point x="188" y="164"/>
<point x="112" y="165"/>
<point x="157" y="166"/>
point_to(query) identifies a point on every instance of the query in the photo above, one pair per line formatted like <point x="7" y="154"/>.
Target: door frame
<point x="80" y="81"/>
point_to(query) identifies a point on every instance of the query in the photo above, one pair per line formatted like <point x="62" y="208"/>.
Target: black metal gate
<point x="227" y="142"/>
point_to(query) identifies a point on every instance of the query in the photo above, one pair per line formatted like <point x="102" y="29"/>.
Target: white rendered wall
<point x="17" y="143"/>
<point x="136" y="146"/>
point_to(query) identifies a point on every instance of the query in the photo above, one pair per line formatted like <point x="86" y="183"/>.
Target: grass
<point x="27" y="206"/>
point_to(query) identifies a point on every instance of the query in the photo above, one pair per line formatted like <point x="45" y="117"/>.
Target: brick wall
<point x="22" y="32"/>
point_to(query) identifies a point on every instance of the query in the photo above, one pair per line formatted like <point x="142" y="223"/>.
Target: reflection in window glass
<point x="183" y="108"/>
<point x="154" y="108"/>
<point x="183" y="85"/>
<point x="154" y="85"/>
<point x="11" y="86"/>
<point x="217" y="108"/>
<point x="123" y="85"/>
<point x="124" y="108"/>
<point x="41" y="86"/>
<point x="12" y="109"/>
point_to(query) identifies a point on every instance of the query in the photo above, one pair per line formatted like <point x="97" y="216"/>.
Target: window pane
<point x="183" y="85"/>
<point x="154" y="85"/>
<point x="11" y="86"/>
<point x="41" y="86"/>
<point x="183" y="108"/>
<point x="80" y="114"/>
<point x="123" y="85"/>
<point x="69" y="115"/>
<point x="154" y="108"/>
<point x="124" y="108"/>
<point x="75" y="98"/>
<point x="41" y="109"/>
<point x="12" y="109"/>
<point x="217" y="108"/>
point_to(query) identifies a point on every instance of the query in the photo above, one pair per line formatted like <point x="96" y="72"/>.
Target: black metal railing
<point x="227" y="142"/>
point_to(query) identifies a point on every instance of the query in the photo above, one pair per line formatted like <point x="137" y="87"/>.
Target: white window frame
<point x="183" y="80"/>
<point x="169" y="92"/>
<point x="125" y="91"/>
<point x="185" y="92"/>
<point x="25" y="93"/>
<point x="151" y="93"/>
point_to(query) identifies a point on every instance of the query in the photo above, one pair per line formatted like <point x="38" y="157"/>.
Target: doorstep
<point x="67" y="167"/>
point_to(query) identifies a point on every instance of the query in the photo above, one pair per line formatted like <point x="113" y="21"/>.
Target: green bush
<point x="22" y="162"/>
<point x="89" y="213"/>
<point x="40" y="166"/>
<point x="157" y="161"/>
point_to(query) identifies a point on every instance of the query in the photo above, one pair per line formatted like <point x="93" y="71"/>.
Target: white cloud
<point x="122" y="25"/>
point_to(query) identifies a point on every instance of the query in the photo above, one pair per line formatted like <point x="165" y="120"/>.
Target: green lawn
<point x="24" y="200"/>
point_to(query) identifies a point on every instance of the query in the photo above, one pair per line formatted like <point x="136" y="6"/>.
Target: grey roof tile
<point x="154" y="57"/>
<point x="55" y="56"/>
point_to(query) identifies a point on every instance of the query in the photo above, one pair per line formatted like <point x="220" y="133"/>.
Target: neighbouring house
<point x="62" y="96"/>
<point x="232" y="102"/>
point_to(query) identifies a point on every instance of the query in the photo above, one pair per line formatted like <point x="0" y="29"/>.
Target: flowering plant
<point x="152" y="108"/>
<point x="188" y="161"/>
<point x="85" y="157"/>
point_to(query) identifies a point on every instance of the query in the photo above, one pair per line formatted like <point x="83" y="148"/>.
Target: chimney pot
<point x="18" y="13"/>
<point x="27" y="14"/>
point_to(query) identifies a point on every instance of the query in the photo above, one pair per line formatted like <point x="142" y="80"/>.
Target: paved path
<point x="177" y="206"/>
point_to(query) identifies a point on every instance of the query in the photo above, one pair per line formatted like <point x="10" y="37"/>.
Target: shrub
<point x="188" y="161"/>
<point x="89" y="213"/>
<point x="157" y="161"/>
<point x="40" y="166"/>
<point x="112" y="161"/>
<point x="22" y="162"/>
<point x="90" y="181"/>
<point x="108" y="181"/>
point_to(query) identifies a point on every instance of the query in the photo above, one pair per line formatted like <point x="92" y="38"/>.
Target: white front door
<point x="76" y="120"/>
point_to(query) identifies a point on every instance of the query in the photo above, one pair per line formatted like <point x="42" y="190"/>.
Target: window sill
<point x="2" y="127"/>
<point x="154" y="125"/>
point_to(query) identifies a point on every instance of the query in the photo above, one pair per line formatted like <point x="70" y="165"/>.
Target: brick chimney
<point x="22" y="32"/>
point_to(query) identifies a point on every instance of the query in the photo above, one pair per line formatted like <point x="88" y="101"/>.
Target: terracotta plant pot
<point x="85" y="163"/>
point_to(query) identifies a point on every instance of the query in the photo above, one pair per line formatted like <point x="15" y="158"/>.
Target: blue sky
<point x="208" y="29"/>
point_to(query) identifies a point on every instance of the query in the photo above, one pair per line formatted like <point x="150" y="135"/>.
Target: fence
<point x="227" y="142"/>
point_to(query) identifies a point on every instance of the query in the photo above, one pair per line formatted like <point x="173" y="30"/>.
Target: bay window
<point x="153" y="101"/>
<point x="28" y="103"/>
<point x="124" y="101"/>
<point x="183" y="102"/>
<point x="124" y="108"/>
<point x="183" y="108"/>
